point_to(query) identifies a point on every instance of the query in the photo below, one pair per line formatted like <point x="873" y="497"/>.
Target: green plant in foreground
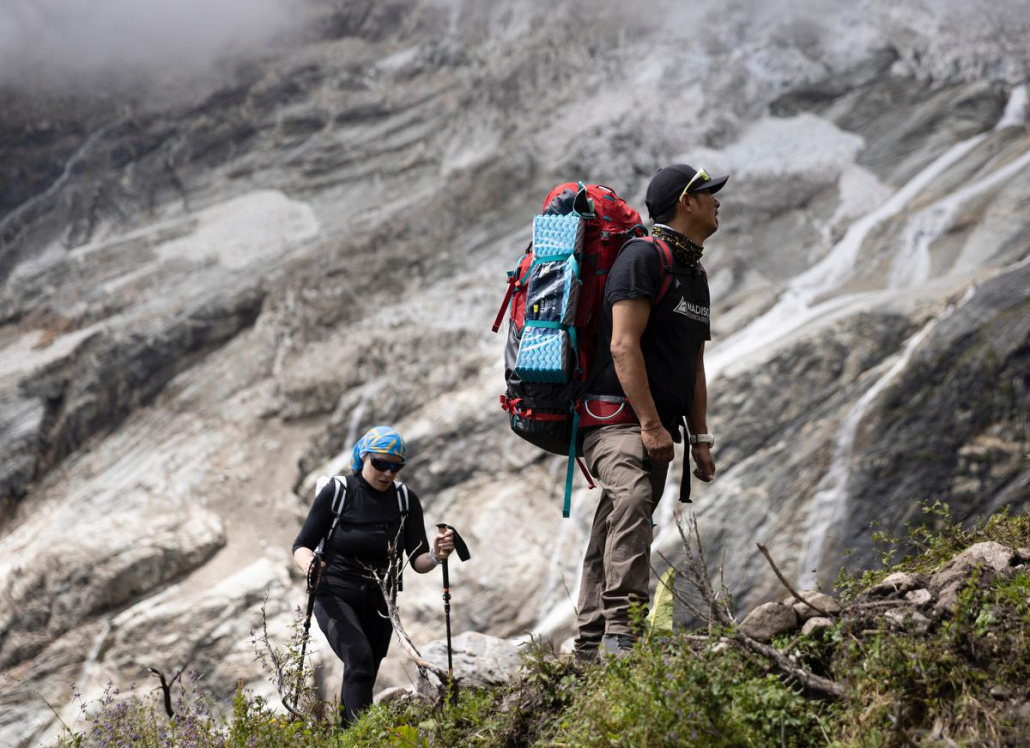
<point x="668" y="693"/>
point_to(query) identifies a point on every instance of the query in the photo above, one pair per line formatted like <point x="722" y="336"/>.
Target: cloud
<point x="65" y="43"/>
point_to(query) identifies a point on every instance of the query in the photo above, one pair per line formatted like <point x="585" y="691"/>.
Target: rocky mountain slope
<point x="205" y="297"/>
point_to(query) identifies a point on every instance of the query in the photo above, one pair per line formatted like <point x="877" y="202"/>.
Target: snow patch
<point x="805" y="144"/>
<point x="258" y="226"/>
<point x="1016" y="109"/>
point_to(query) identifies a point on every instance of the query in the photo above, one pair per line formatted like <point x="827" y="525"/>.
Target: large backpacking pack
<point x="554" y="301"/>
<point x="339" y="501"/>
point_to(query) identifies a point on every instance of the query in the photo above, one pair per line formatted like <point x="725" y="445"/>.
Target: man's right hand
<point x="658" y="443"/>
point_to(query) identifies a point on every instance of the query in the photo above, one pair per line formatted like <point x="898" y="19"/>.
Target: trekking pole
<point x="314" y="574"/>
<point x="463" y="553"/>
<point x="452" y="694"/>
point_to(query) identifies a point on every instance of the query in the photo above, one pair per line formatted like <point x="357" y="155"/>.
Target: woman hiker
<point x="349" y="604"/>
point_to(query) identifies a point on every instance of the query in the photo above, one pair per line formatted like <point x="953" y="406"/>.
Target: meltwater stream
<point x="799" y="303"/>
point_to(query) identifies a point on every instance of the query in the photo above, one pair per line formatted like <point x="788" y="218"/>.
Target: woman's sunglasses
<point x="384" y="466"/>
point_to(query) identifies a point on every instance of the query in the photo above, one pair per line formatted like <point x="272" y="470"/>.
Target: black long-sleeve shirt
<point x="370" y="520"/>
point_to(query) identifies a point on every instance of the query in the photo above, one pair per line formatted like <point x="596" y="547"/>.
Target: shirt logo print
<point x="693" y="311"/>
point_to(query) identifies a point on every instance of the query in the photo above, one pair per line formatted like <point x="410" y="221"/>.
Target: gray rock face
<point x="20" y="423"/>
<point x="769" y="620"/>
<point x="957" y="377"/>
<point x="49" y="593"/>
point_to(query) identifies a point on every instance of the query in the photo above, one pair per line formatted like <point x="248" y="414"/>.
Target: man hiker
<point x="657" y="364"/>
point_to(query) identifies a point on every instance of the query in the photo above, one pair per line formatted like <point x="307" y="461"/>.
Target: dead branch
<point x="785" y="583"/>
<point x="699" y="579"/>
<point x="383" y="579"/>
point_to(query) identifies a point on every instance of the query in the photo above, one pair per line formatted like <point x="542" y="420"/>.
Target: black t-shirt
<point x="369" y="522"/>
<point x="677" y="326"/>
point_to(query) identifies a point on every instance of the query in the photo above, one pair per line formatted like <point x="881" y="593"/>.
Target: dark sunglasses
<point x="384" y="466"/>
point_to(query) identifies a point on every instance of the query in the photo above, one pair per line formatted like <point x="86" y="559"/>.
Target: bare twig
<point x="785" y="583"/>
<point x="279" y="665"/>
<point x="722" y="582"/>
<point x="166" y="687"/>
<point x="383" y="579"/>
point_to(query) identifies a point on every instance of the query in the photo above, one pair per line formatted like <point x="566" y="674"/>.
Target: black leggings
<point x="351" y="621"/>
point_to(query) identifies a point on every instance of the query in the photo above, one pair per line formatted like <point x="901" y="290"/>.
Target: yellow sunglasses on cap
<point x="700" y="174"/>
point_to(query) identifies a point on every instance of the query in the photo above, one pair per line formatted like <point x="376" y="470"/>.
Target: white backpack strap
<point x="339" y="497"/>
<point x="402" y="497"/>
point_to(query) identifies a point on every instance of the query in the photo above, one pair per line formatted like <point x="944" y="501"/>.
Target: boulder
<point x="398" y="694"/>
<point x="919" y="597"/>
<point x="896" y="584"/>
<point x="479" y="660"/>
<point x="990" y="557"/>
<point x="769" y="620"/>
<point x="908" y="620"/>
<point x="814" y="625"/>
<point x="820" y="600"/>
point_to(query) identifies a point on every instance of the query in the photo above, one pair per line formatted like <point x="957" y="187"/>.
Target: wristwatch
<point x="708" y="439"/>
<point x="434" y="559"/>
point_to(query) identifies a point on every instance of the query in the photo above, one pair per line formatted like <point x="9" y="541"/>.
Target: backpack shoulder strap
<point x="339" y="498"/>
<point x="339" y="495"/>
<point x="403" y="502"/>
<point x="403" y="505"/>
<point x="666" y="254"/>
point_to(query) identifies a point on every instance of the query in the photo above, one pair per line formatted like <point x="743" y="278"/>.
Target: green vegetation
<point x="965" y="679"/>
<point x="932" y="543"/>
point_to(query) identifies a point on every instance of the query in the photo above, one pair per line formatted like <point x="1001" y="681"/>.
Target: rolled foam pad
<point x="543" y="355"/>
<point x="557" y="236"/>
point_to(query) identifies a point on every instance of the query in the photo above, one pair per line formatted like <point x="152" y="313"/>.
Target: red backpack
<point x="555" y="296"/>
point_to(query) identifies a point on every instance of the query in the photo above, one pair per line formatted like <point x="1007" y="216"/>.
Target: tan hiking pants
<point x="617" y="564"/>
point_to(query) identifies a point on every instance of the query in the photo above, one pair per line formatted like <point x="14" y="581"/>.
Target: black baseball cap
<point x="667" y="185"/>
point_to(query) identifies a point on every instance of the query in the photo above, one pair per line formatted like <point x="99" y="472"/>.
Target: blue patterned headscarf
<point x="381" y="440"/>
